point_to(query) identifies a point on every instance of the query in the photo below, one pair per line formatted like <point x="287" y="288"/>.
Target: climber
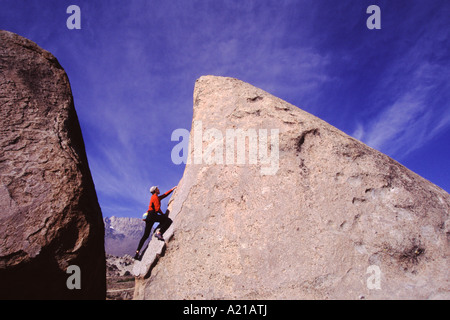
<point x="154" y="214"/>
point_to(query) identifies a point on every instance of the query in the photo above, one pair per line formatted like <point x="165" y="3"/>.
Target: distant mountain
<point x="122" y="235"/>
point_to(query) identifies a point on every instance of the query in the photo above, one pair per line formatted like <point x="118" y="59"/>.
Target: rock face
<point x="333" y="219"/>
<point x="122" y="235"/>
<point x="49" y="214"/>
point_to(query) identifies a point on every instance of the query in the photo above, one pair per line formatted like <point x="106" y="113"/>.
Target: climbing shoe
<point x="159" y="236"/>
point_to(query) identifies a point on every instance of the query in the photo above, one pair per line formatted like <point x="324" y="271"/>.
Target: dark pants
<point x="164" y="224"/>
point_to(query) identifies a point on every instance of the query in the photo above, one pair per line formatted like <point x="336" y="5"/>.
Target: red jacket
<point x="155" y="201"/>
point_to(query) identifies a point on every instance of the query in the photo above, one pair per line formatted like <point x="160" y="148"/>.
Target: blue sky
<point x="133" y="64"/>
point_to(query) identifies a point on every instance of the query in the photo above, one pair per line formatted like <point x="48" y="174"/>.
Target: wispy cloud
<point x="253" y="45"/>
<point x="405" y="125"/>
<point x="133" y="65"/>
<point x="400" y="127"/>
<point x="141" y="83"/>
<point x="416" y="93"/>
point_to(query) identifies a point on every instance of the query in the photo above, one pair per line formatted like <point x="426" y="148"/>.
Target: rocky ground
<point x="120" y="281"/>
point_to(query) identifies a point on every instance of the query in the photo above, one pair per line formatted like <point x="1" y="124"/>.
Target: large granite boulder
<point x="50" y="218"/>
<point x="307" y="212"/>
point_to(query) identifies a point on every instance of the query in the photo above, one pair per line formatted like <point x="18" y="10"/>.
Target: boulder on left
<point x="50" y="219"/>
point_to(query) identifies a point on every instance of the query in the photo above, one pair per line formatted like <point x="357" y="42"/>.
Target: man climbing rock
<point x="154" y="214"/>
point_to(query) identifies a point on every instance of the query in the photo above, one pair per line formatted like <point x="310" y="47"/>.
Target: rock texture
<point x="122" y="235"/>
<point x="49" y="213"/>
<point x="338" y="220"/>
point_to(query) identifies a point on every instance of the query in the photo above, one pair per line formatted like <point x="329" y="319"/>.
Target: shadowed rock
<point x="49" y="213"/>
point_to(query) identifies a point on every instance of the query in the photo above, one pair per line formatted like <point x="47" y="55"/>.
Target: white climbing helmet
<point x="152" y="189"/>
